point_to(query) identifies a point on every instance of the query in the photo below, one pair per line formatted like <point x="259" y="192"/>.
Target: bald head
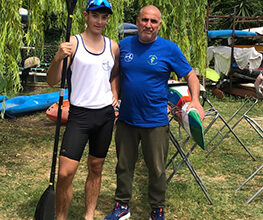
<point x="152" y="8"/>
<point x="149" y="23"/>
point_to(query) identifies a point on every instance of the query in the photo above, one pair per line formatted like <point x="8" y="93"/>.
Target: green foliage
<point x="131" y="11"/>
<point x="243" y="8"/>
<point x="49" y="16"/>
<point x="45" y="17"/>
<point x="11" y="34"/>
<point x="117" y="18"/>
<point x="197" y="35"/>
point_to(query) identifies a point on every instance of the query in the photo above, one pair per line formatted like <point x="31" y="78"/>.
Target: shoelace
<point x="116" y="206"/>
<point x="161" y="213"/>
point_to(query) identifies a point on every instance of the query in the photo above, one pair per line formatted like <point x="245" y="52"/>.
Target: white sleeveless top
<point x="90" y="76"/>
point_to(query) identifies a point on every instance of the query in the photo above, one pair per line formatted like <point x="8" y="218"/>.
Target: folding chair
<point x="248" y="179"/>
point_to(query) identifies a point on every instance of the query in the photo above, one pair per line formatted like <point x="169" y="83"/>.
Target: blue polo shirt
<point x="145" y="72"/>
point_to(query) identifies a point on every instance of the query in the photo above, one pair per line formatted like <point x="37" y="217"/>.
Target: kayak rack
<point x="226" y="123"/>
<point x="214" y="113"/>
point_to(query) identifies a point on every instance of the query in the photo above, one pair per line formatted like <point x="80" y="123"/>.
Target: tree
<point x="11" y="35"/>
<point x="243" y="8"/>
<point x="183" y="23"/>
<point x="44" y="15"/>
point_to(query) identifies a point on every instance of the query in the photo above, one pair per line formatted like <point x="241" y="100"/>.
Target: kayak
<point x="52" y="112"/>
<point x="21" y="105"/>
<point x="228" y="33"/>
<point x="179" y="95"/>
<point x="179" y="98"/>
<point x="191" y="122"/>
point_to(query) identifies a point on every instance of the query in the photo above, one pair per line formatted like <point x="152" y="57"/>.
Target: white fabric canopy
<point x="244" y="57"/>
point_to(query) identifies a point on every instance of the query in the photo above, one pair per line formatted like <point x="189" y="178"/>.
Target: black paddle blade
<point x="46" y="205"/>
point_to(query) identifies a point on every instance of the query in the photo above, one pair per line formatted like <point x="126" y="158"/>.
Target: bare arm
<point x="66" y="49"/>
<point x="115" y="74"/>
<point x="194" y="86"/>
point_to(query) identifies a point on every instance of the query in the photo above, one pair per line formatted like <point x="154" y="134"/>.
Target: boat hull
<point x="21" y="105"/>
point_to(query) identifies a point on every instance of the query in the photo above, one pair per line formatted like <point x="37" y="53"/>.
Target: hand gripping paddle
<point x="45" y="209"/>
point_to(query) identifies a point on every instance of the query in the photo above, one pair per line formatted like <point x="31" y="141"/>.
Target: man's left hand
<point x="198" y="107"/>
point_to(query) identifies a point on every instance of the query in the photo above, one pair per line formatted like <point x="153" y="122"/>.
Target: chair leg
<point x="251" y="177"/>
<point x="254" y="125"/>
<point x="190" y="167"/>
<point x="248" y="179"/>
<point x="230" y="129"/>
<point x="250" y="200"/>
<point x="223" y="137"/>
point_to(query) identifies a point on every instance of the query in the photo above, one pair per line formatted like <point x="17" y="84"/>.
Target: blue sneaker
<point x="157" y="214"/>
<point x="119" y="213"/>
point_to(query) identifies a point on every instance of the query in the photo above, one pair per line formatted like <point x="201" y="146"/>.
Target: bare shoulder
<point x="115" y="48"/>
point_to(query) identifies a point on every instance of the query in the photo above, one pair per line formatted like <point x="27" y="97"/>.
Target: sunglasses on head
<point x="99" y="2"/>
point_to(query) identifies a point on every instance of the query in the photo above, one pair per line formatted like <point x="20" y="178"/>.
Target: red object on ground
<point x="52" y="112"/>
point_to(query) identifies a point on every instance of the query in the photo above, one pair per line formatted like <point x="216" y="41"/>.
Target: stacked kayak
<point x="21" y="105"/>
<point x="229" y="33"/>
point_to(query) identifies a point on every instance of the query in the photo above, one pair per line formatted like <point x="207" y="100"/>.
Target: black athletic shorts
<point x="88" y="125"/>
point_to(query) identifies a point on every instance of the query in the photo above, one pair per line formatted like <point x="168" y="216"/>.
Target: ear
<point x="160" y="25"/>
<point x="137" y="21"/>
<point x="85" y="15"/>
<point x="108" y="17"/>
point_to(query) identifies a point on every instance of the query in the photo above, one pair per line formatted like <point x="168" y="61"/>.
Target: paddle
<point x="45" y="209"/>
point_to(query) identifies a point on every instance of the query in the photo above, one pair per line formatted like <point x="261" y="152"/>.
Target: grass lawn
<point x="26" y="146"/>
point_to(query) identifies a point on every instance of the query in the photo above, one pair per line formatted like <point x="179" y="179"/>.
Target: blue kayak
<point x="3" y="97"/>
<point x="228" y="33"/>
<point x="127" y="28"/>
<point x="21" y="105"/>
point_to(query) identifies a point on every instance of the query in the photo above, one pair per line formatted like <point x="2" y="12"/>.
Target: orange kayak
<point x="52" y="112"/>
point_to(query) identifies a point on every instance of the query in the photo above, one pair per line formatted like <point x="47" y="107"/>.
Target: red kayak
<point x="52" y="112"/>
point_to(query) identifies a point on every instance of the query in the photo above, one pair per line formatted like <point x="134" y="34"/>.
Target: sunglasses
<point x="99" y="3"/>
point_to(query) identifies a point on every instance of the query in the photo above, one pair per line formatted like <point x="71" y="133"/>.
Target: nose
<point x="148" y="24"/>
<point x="99" y="20"/>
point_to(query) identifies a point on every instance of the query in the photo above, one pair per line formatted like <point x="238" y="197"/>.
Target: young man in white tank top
<point x="93" y="80"/>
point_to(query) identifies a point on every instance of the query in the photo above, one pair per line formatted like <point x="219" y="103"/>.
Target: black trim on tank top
<point x="95" y="54"/>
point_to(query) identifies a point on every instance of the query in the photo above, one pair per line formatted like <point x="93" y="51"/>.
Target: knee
<point x="65" y="175"/>
<point x="95" y="167"/>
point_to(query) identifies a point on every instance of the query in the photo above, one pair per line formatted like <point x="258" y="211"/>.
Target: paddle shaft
<point x="45" y="209"/>
<point x="70" y="6"/>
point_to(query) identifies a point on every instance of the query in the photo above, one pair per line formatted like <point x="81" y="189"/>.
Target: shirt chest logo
<point x="152" y="60"/>
<point x="128" y="57"/>
<point x="106" y="65"/>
